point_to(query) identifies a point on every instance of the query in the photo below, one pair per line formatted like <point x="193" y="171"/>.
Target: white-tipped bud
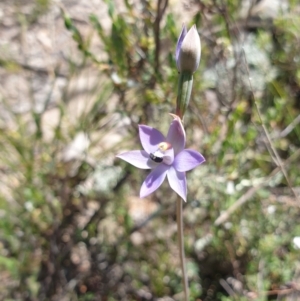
<point x="189" y="52"/>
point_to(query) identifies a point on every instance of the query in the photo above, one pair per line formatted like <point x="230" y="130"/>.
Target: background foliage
<point x="72" y="227"/>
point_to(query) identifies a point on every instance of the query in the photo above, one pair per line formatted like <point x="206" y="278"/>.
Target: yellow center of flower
<point x="163" y="146"/>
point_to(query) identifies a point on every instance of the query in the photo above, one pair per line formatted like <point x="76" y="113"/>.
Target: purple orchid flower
<point x="165" y="156"/>
<point x="188" y="50"/>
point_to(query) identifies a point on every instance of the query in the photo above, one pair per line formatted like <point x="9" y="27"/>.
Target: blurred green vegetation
<point x="71" y="226"/>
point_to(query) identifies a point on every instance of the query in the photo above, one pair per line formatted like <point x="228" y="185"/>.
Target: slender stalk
<point x="181" y="249"/>
<point x="185" y="84"/>
<point x="161" y="8"/>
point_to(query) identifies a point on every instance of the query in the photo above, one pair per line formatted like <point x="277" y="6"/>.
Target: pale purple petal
<point x="138" y="158"/>
<point x="154" y="180"/>
<point x="177" y="181"/>
<point x="176" y="135"/>
<point x="150" y="138"/>
<point x="169" y="156"/>
<point x="179" y="42"/>
<point x="188" y="159"/>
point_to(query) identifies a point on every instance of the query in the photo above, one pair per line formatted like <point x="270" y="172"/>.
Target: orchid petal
<point x="150" y="138"/>
<point x="169" y="156"/>
<point x="177" y="181"/>
<point x="138" y="158"/>
<point x="176" y="135"/>
<point x="190" y="52"/>
<point x="154" y="180"/>
<point x="179" y="42"/>
<point x="188" y="159"/>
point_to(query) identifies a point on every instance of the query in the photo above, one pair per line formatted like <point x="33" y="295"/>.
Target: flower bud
<point x="188" y="50"/>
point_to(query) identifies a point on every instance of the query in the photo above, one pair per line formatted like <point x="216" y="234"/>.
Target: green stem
<point x="181" y="249"/>
<point x="185" y="85"/>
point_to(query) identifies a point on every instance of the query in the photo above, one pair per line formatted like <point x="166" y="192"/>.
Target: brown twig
<point x="161" y="8"/>
<point x="246" y="197"/>
<point x="278" y="159"/>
